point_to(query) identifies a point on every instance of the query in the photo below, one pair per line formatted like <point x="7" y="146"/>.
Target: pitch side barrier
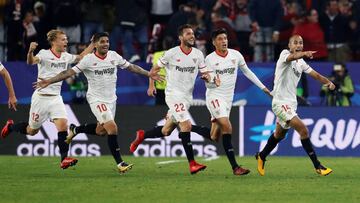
<point x="334" y="132"/>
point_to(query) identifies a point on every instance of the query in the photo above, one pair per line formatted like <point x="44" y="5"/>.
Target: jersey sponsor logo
<point x="190" y="69"/>
<point x="225" y="71"/>
<point x="296" y="72"/>
<point x="61" y="65"/>
<point x="108" y="71"/>
<point x="45" y="142"/>
<point x="171" y="146"/>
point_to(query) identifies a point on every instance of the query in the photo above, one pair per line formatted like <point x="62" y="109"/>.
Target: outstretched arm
<point x="86" y="51"/>
<point x="31" y="59"/>
<point x="153" y="73"/>
<point x="299" y="55"/>
<point x="8" y="82"/>
<point x="59" y="77"/>
<point x="253" y="78"/>
<point x="326" y="82"/>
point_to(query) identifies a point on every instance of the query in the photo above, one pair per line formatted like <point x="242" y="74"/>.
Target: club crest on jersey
<point x="94" y="64"/>
<point x="112" y="62"/>
<point x="195" y="60"/>
<point x="177" y="60"/>
<point x="233" y="61"/>
<point x="216" y="64"/>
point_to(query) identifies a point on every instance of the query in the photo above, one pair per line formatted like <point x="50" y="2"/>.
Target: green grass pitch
<point x="288" y="179"/>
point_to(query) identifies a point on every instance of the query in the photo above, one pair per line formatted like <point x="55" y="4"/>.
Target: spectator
<point x="30" y="33"/>
<point x="266" y="18"/>
<point x="43" y="23"/>
<point x="218" y="22"/>
<point x="314" y="40"/>
<point x="132" y="24"/>
<point x="93" y="12"/>
<point x="344" y="89"/>
<point x="67" y="17"/>
<point x="242" y="25"/>
<point x="336" y="29"/>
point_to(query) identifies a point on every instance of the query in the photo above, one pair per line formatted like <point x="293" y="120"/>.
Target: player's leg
<point x="300" y="127"/>
<point x="156" y="132"/>
<point x="226" y="130"/>
<point x="215" y="132"/>
<point x="272" y="142"/>
<point x="112" y="132"/>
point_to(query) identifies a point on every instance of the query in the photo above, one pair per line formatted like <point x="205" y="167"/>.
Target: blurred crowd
<point x="258" y="28"/>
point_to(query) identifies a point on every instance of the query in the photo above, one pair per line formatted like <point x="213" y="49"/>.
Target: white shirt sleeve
<point x="40" y="55"/>
<point x="211" y="83"/>
<point x="82" y="65"/>
<point x="1" y="66"/>
<point x="249" y="74"/>
<point x="202" y="65"/>
<point x="72" y="58"/>
<point x="284" y="55"/>
<point x="305" y="67"/>
<point x="164" y="59"/>
<point x="121" y="62"/>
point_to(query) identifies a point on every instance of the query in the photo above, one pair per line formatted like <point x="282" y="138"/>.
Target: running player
<point x="7" y="79"/>
<point x="100" y="69"/>
<point x="182" y="65"/>
<point x="288" y="71"/>
<point x="224" y="63"/>
<point x="47" y="102"/>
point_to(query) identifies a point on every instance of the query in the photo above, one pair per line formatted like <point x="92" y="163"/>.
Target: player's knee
<point x="185" y="127"/>
<point x="304" y="133"/>
<point x="31" y="131"/>
<point x="165" y="132"/>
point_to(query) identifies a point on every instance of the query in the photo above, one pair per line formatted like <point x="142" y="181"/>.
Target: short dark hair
<point x="217" y="32"/>
<point x="99" y="35"/>
<point x="182" y="28"/>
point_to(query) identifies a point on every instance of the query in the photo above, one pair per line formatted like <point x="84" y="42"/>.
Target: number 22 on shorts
<point x="179" y="107"/>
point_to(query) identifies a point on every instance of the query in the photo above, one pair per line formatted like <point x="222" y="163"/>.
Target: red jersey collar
<point x="57" y="56"/>
<point x="220" y="54"/>
<point x="186" y="53"/>
<point x="100" y="57"/>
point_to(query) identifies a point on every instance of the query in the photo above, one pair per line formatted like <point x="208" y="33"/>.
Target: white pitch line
<point x="169" y="162"/>
<point x="211" y="158"/>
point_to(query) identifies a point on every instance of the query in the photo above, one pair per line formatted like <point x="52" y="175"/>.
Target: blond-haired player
<point x="47" y="103"/>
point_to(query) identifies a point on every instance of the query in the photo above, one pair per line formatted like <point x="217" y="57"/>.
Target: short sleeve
<point x="121" y="62"/>
<point x="284" y="55"/>
<point x="40" y="55"/>
<point x="82" y="65"/>
<point x="71" y="58"/>
<point x="241" y="59"/>
<point x="305" y="67"/>
<point x="1" y="66"/>
<point x="202" y="65"/>
<point x="164" y="59"/>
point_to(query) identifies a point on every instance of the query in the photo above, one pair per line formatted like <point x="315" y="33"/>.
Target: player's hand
<point x="151" y="91"/>
<point x="309" y="54"/>
<point x="154" y="74"/>
<point x="330" y="85"/>
<point x="205" y="76"/>
<point x="41" y="84"/>
<point x="267" y="91"/>
<point x="217" y="80"/>
<point x="12" y="103"/>
<point x="33" y="46"/>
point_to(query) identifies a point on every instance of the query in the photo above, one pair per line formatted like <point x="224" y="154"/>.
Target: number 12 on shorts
<point x="101" y="107"/>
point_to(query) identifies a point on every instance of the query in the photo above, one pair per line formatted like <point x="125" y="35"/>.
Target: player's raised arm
<point x="322" y="79"/>
<point x="251" y="76"/>
<point x="86" y="51"/>
<point x="153" y="73"/>
<point x="31" y="59"/>
<point x="59" y="77"/>
<point x="8" y="82"/>
<point x="300" y="55"/>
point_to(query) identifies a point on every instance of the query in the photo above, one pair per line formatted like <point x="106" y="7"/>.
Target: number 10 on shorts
<point x="101" y="107"/>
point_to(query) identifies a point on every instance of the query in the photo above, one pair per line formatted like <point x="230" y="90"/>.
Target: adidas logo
<point x="45" y="142"/>
<point x="171" y="146"/>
